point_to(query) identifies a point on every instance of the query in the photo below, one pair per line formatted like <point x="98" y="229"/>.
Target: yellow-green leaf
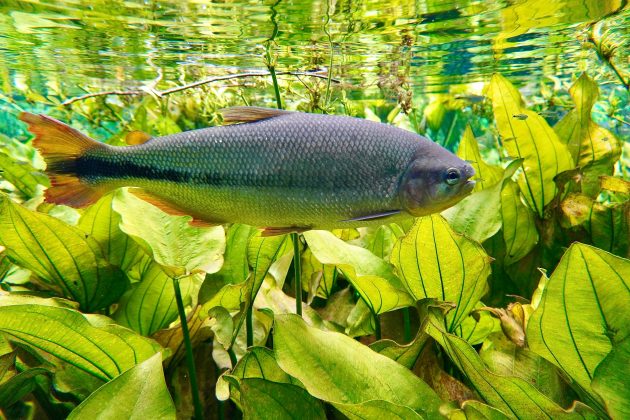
<point x="435" y="262"/>
<point x="101" y="222"/>
<point x="527" y="135"/>
<point x="22" y="175"/>
<point x="610" y="380"/>
<point x="149" y="305"/>
<point x="139" y="393"/>
<point x="172" y="242"/>
<point x="103" y="352"/>
<point x="582" y="314"/>
<point x="469" y="150"/>
<point x="592" y="147"/>
<point x="60" y="255"/>
<point x="512" y="395"/>
<point x="519" y="225"/>
<point x="371" y="276"/>
<point x="354" y="374"/>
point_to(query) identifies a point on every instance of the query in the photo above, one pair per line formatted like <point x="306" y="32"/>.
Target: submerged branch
<point x="150" y="91"/>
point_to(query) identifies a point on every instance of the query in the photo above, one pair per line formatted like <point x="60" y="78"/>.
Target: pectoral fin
<point x="375" y="216"/>
<point x="169" y="207"/>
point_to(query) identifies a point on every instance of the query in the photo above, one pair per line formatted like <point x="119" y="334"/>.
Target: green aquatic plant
<point x="508" y="305"/>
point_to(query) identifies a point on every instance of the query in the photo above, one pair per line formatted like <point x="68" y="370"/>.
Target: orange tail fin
<point x="61" y="146"/>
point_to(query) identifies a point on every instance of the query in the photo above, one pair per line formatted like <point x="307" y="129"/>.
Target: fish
<point x="278" y="170"/>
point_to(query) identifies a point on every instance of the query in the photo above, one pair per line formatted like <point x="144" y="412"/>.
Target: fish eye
<point x="452" y="176"/>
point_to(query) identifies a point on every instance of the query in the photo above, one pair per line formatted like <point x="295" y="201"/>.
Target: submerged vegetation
<point x="511" y="304"/>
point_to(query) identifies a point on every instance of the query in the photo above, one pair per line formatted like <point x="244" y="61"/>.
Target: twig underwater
<point x="160" y="93"/>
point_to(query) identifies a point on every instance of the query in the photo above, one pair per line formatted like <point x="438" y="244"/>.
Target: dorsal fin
<point x="136" y="137"/>
<point x="245" y="114"/>
<point x="167" y="206"/>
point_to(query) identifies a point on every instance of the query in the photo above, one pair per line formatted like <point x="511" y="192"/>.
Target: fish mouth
<point x="468" y="186"/>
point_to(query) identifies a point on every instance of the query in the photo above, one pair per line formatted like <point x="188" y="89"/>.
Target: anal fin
<point x="70" y="191"/>
<point x="169" y="207"/>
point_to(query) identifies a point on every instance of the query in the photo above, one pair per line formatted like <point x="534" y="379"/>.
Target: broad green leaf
<point x="149" y="305"/>
<point x="378" y="409"/>
<point x="371" y="276"/>
<point x="580" y="318"/>
<point x="512" y="395"/>
<point x="478" y="216"/>
<point x="138" y="393"/>
<point x="60" y="255"/>
<point x="435" y="262"/>
<point x="19" y="386"/>
<point x="238" y="340"/>
<point x="261" y="254"/>
<point x="469" y="150"/>
<point x="606" y="225"/>
<point x="235" y="268"/>
<point x="172" y="242"/>
<point x="476" y="327"/>
<point x="14" y="385"/>
<point x="258" y="362"/>
<point x="354" y="373"/>
<point x="519" y="226"/>
<point x="475" y="410"/>
<point x="610" y="380"/>
<point x="172" y="338"/>
<point x="503" y="357"/>
<point x="263" y="399"/>
<point x="360" y="320"/>
<point x="22" y="175"/>
<point x="405" y="354"/>
<point x="592" y="147"/>
<point x="103" y="352"/>
<point x="317" y="278"/>
<point x="383" y="239"/>
<point x="527" y="135"/>
<point x="101" y="222"/>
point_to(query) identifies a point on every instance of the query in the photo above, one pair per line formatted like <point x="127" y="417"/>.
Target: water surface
<point x="74" y="46"/>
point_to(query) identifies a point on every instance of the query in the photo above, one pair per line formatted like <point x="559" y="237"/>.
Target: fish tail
<point x="61" y="146"/>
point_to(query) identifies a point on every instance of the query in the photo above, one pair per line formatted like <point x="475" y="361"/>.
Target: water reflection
<point x="104" y="44"/>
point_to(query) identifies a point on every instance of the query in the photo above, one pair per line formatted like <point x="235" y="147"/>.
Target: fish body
<point x="279" y="169"/>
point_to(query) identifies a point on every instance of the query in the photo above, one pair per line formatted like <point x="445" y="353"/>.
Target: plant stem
<point x="232" y="355"/>
<point x="276" y="88"/>
<point x="377" y="326"/>
<point x="190" y="360"/>
<point x="249" y="325"/>
<point x="297" y="269"/>
<point x="332" y="51"/>
<point x="270" y="64"/>
<point x="406" y="325"/>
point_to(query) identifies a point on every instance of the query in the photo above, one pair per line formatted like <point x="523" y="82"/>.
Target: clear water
<point x="77" y="46"/>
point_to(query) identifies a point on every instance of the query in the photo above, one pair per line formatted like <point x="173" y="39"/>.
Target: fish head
<point x="435" y="180"/>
